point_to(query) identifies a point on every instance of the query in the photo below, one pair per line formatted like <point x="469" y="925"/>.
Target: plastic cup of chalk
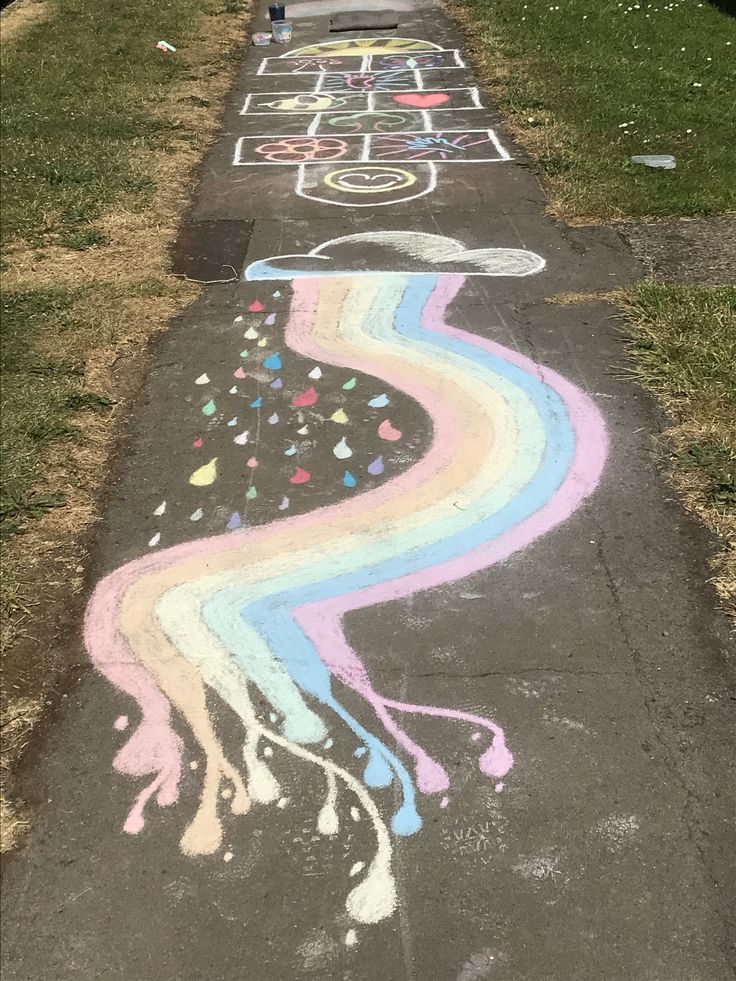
<point x="281" y="31"/>
<point x="277" y="11"/>
<point x="260" y="38"/>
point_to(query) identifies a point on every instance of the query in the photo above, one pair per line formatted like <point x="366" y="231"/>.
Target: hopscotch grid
<point x="471" y="90"/>
<point x="378" y="71"/>
<point x="431" y="186"/>
<point x="366" y="63"/>
<point x="365" y="148"/>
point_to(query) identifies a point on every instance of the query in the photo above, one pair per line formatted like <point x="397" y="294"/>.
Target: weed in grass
<point x="82" y="240"/>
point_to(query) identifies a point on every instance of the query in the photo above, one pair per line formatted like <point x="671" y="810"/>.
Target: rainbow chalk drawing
<point x="517" y="447"/>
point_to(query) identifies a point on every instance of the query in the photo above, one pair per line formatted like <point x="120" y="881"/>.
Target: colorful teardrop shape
<point x="379" y="402"/>
<point x="386" y="431"/>
<point x="205" y="475"/>
<point x="341" y="450"/>
<point x="300" y="476"/>
<point x="305" y="398"/>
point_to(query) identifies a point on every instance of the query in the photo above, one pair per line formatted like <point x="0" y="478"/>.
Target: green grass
<point x="79" y="95"/>
<point x="36" y="399"/>
<point x="683" y="345"/>
<point x="592" y="82"/>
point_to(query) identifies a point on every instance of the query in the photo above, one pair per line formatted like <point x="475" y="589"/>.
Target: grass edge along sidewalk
<point x="101" y="136"/>
<point x="584" y="86"/>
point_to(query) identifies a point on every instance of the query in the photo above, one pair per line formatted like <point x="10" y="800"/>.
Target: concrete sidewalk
<point x="414" y="671"/>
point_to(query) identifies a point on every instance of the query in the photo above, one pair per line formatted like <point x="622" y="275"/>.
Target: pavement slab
<point x="406" y="665"/>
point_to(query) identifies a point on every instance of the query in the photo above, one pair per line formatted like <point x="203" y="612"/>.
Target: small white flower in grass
<point x="688" y="131"/>
<point x="682" y="49"/>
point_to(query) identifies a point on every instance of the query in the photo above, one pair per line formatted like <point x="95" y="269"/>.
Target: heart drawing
<point x="422" y="100"/>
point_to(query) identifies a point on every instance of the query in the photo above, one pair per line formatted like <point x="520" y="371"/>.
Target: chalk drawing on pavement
<point x="447" y="146"/>
<point x="360" y="86"/>
<point x="255" y="615"/>
<point x="359" y="46"/>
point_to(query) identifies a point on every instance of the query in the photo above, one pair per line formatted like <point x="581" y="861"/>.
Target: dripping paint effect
<point x="256" y="403"/>
<point x="209" y="408"/>
<point x="340" y="417"/>
<point x="251" y="462"/>
<point x="263" y="342"/>
<point x="234" y="522"/>
<point x="155" y="540"/>
<point x="350" y="385"/>
<point x="273" y="362"/>
<point x="273" y="418"/>
<point x="327" y="821"/>
<point x="315" y="373"/>
<point x="242" y="438"/>
<point x="256" y="306"/>
<point x="198" y="442"/>
<point x="300" y="476"/>
<point x="239" y="372"/>
<point x="196" y="515"/>
<point x="233" y="422"/>
<point x="284" y="504"/>
<point x="277" y="383"/>
<point x="348" y="479"/>
<point x="519" y="447"/>
<point x="270" y="320"/>
<point x="161" y="509"/>
<point x="291" y="451"/>
<point x="375" y="468"/>
<point x="233" y="390"/>
<point x="202" y="380"/>
<point x="251" y="494"/>
<point x="250" y="334"/>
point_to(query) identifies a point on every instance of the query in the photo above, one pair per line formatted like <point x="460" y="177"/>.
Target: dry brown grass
<point x="116" y="317"/>
<point x="16" y="19"/>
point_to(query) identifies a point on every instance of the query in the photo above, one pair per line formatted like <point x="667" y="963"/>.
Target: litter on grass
<point x="664" y="161"/>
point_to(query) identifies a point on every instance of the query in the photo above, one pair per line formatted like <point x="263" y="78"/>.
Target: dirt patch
<point x="686" y="250"/>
